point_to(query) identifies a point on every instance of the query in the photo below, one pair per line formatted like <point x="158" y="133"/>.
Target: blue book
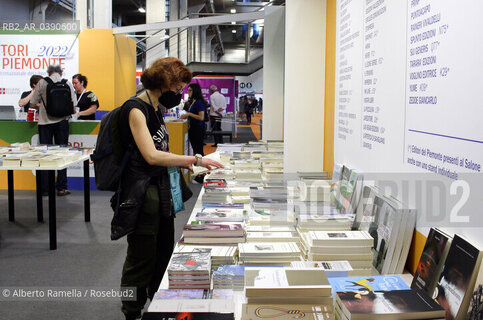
<point x="369" y="283"/>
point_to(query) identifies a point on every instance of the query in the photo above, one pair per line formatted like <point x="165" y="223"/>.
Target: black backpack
<point x="59" y="98"/>
<point x="110" y="155"/>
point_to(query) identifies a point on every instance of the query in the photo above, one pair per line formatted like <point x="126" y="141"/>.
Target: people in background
<point x="242" y="104"/>
<point x="250" y="109"/>
<point x="87" y="101"/>
<point x="24" y="101"/>
<point x="196" y="117"/>
<point x="52" y="129"/>
<point x="260" y="105"/>
<point x="217" y="110"/>
<point x="145" y="184"/>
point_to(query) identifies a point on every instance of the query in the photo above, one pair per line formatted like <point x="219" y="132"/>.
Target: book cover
<point x="385" y="235"/>
<point x="430" y="264"/>
<point x="286" y="311"/>
<point x="343" y="238"/>
<point x="286" y="282"/>
<point x="395" y="304"/>
<point x="458" y="277"/>
<point x="365" y="211"/>
<point x="187" y="316"/>
<point x="220" y="214"/>
<point x="213" y="229"/>
<point x="214" y="183"/>
<point x="368" y="284"/>
<point x="194" y="262"/>
<point x="264" y="249"/>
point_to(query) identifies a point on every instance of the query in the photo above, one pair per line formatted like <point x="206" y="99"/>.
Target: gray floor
<point x="86" y="257"/>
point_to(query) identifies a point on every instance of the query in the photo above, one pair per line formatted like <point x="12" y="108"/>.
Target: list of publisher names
<point x="426" y="36"/>
<point x="373" y="129"/>
<point x="347" y="75"/>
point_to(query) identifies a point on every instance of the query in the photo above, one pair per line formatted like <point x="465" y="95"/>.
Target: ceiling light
<point x="142" y="10"/>
<point x="233" y="10"/>
<point x="233" y="22"/>
<point x="233" y="31"/>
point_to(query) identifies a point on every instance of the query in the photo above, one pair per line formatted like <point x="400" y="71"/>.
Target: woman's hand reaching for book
<point x="210" y="164"/>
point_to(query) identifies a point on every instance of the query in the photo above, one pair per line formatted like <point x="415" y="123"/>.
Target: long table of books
<point x="22" y="156"/>
<point x="263" y="244"/>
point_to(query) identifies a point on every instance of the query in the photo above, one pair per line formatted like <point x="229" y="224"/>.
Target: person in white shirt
<point x="217" y="110"/>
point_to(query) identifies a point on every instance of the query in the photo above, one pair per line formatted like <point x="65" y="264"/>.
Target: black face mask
<point x="170" y="99"/>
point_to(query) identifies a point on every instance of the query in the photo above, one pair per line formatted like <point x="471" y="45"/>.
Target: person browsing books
<point x="196" y="117"/>
<point x="145" y="211"/>
<point x="87" y="101"/>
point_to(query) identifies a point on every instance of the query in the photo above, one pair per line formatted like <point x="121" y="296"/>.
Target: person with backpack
<point x="144" y="203"/>
<point x="56" y="100"/>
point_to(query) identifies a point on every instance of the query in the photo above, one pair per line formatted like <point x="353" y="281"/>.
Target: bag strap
<point x="49" y="82"/>
<point x="127" y="154"/>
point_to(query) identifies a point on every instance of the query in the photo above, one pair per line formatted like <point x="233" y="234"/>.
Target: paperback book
<point x="431" y="261"/>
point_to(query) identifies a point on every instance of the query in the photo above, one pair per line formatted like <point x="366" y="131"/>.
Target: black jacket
<point x="134" y="183"/>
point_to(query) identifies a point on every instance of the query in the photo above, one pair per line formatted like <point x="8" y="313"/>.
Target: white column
<point x="155" y="12"/>
<point x="174" y="40"/>
<point x="183" y="36"/>
<point x="273" y="73"/>
<point x="81" y="12"/>
<point x="103" y="14"/>
<point x="305" y="36"/>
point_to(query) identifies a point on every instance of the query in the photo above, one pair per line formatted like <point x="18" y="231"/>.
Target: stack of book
<point x="220" y="214"/>
<point x="314" y="190"/>
<point x="214" y="233"/>
<point x="382" y="297"/>
<point x="216" y="194"/>
<point x="318" y="175"/>
<point x="324" y="221"/>
<point x="255" y="147"/>
<point x="271" y="217"/>
<point x="353" y="246"/>
<point x="226" y="174"/>
<point x="13" y="158"/>
<point x="286" y="291"/>
<point x="275" y="146"/>
<point x="261" y="228"/>
<point x="229" y="277"/>
<point x="269" y="203"/>
<point x="240" y="194"/>
<point x="274" y="193"/>
<point x="333" y="268"/>
<point x="267" y="253"/>
<point x="273" y="175"/>
<point x="269" y="236"/>
<point x="239" y="155"/>
<point x="219" y="254"/>
<point x="190" y="270"/>
<point x="24" y="155"/>
<point x="246" y="164"/>
<point x="248" y="174"/>
<point x="33" y="159"/>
